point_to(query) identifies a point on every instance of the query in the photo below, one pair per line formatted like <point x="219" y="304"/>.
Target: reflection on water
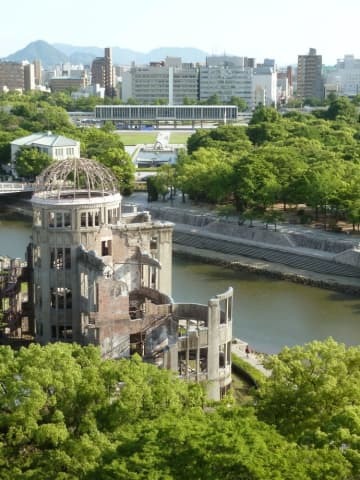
<point x="15" y="231"/>
<point x="268" y="313"/>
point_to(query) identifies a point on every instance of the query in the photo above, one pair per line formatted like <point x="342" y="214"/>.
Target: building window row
<point x="59" y="219"/>
<point x="90" y="219"/>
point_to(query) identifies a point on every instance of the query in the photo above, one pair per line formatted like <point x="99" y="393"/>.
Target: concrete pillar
<point x="213" y="387"/>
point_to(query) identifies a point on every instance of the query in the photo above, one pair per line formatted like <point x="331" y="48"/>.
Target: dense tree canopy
<point x="294" y="158"/>
<point x="66" y="413"/>
<point x="313" y="397"/>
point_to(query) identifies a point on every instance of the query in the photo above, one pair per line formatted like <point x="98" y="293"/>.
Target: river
<point x="268" y="313"/>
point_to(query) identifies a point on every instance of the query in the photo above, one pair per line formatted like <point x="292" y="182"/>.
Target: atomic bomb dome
<point x="101" y="274"/>
<point x="75" y="178"/>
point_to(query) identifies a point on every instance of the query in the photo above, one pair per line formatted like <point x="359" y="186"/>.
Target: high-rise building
<point x="98" y="72"/>
<point x="37" y="72"/>
<point x="102" y="73"/>
<point x="29" y="77"/>
<point x="309" y="76"/>
<point x="11" y="76"/>
<point x="227" y="77"/>
<point x="169" y="80"/>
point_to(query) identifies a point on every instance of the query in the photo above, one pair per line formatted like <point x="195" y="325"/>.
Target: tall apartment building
<point x="12" y="76"/>
<point x="227" y="77"/>
<point x="37" y="72"/>
<point x="102" y="73"/>
<point x="18" y="76"/>
<point x="169" y="80"/>
<point x="309" y="76"/>
<point x="29" y="77"/>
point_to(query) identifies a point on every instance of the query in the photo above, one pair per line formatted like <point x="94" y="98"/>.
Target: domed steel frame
<point x="77" y="178"/>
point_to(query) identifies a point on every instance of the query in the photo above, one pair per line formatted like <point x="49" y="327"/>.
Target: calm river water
<point x="268" y="313"/>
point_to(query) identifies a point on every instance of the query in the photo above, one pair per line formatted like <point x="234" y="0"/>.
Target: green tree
<point x="229" y="138"/>
<point x="206" y="175"/>
<point x="30" y="162"/>
<point x="121" y="165"/>
<point x="239" y="102"/>
<point x="312" y="396"/>
<point x="325" y="185"/>
<point x="342" y="107"/>
<point x="353" y="213"/>
<point x="254" y="182"/>
<point x="165" y="180"/>
<point x="107" y="148"/>
<point x="213" y="100"/>
<point x="264" y="114"/>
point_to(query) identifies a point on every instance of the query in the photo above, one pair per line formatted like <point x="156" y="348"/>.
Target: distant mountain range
<point x="58" y="53"/>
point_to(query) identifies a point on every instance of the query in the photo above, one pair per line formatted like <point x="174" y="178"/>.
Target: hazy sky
<point x="255" y="28"/>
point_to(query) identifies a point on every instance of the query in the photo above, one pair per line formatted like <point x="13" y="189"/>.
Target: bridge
<point x="15" y="187"/>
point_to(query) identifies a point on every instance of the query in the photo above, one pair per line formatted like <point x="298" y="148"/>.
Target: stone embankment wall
<point x="269" y="270"/>
<point x="309" y="258"/>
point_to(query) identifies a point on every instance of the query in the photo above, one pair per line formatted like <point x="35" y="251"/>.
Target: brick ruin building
<point x="100" y="273"/>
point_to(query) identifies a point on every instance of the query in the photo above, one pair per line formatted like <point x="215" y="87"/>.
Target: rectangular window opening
<point x="90" y="219"/>
<point x="106" y="248"/>
<point x="97" y="219"/>
<point x="67" y="258"/>
<point x="67" y="220"/>
<point x="51" y="219"/>
<point x="59" y="220"/>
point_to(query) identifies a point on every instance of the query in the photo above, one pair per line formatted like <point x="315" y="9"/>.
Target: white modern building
<point x="344" y="78"/>
<point x="226" y="77"/>
<point x="170" y="80"/>
<point x="264" y="82"/>
<point x="137" y="115"/>
<point x="57" y="147"/>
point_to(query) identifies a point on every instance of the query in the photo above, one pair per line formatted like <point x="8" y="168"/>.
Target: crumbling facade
<point x="101" y="274"/>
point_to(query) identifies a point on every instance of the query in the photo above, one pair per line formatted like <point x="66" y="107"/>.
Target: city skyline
<point x="264" y="29"/>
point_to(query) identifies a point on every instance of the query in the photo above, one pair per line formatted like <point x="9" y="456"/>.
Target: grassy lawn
<point x="134" y="138"/>
<point x="179" y="137"/>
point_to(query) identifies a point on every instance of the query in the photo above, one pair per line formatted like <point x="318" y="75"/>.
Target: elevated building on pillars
<point x="101" y="274"/>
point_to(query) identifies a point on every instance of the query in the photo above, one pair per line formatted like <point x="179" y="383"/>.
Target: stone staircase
<point x="313" y="261"/>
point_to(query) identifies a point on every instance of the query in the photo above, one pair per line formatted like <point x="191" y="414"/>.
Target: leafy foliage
<point x="30" y="162"/>
<point x="66" y="413"/>
<point x="312" y="397"/>
<point x="295" y="158"/>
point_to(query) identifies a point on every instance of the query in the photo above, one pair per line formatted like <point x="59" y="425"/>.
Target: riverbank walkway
<point x="238" y="348"/>
<point x="263" y="258"/>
